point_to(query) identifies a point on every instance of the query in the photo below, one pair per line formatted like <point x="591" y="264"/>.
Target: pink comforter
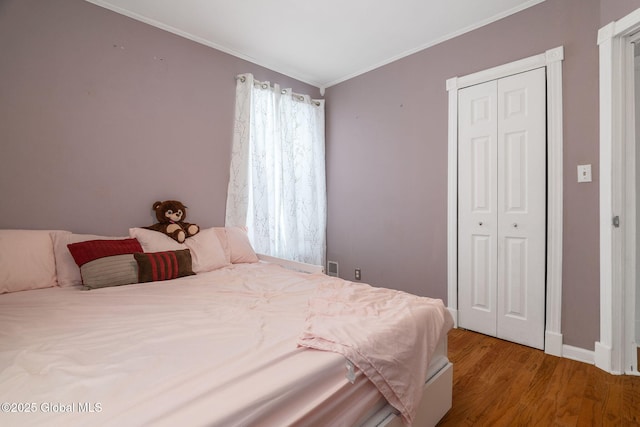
<point x="402" y="332"/>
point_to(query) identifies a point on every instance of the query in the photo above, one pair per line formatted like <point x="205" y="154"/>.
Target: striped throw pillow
<point x="156" y="266"/>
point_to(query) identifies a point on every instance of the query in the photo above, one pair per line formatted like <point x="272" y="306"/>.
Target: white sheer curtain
<point x="277" y="185"/>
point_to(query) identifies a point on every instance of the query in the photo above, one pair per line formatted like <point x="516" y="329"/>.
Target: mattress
<point x="215" y="349"/>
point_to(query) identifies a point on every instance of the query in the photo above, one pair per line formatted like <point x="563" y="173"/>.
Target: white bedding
<point x="219" y="352"/>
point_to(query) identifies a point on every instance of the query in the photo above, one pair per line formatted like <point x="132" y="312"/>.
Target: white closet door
<point x="477" y="204"/>
<point x="502" y="208"/>
<point x="522" y="207"/>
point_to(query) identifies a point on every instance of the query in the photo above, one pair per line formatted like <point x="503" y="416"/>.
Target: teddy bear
<point x="171" y="215"/>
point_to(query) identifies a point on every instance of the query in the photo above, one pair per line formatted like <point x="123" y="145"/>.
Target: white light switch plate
<point x="584" y="173"/>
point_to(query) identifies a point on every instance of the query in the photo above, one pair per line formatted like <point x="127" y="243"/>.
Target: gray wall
<point x="387" y="156"/>
<point x="101" y="115"/>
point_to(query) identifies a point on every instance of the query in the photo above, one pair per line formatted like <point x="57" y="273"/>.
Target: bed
<point x="237" y="339"/>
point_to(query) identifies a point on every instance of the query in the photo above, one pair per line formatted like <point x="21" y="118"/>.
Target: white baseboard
<point x="554" y="347"/>
<point x="553" y="343"/>
<point x="603" y="356"/>
<point x="454" y="314"/>
<point x="579" y="354"/>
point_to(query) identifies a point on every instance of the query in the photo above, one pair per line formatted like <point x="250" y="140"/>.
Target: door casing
<point x="552" y="60"/>
<point x="614" y="352"/>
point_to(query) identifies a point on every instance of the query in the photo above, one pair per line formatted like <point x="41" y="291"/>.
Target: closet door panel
<point x="521" y="208"/>
<point x="477" y="201"/>
<point x="515" y="300"/>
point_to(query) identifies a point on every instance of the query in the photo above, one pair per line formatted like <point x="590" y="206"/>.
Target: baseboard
<point x="554" y="347"/>
<point x="454" y="314"/>
<point x="603" y="356"/>
<point x="579" y="354"/>
<point x="553" y="343"/>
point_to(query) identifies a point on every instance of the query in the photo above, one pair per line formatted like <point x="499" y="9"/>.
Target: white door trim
<point x="617" y="195"/>
<point x="552" y="60"/>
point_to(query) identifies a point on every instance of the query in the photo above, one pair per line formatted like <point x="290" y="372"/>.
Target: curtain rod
<point x="265" y="85"/>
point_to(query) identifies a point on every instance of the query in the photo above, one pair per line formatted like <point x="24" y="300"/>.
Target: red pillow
<point x="84" y="252"/>
<point x="155" y="266"/>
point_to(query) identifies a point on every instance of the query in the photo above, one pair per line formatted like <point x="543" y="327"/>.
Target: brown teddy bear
<point x="171" y="215"/>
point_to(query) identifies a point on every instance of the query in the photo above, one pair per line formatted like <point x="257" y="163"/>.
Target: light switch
<point x="584" y="173"/>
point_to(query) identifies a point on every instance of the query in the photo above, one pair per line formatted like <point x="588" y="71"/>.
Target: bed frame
<point x="436" y="402"/>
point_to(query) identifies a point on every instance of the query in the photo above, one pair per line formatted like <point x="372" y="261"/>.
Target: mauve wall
<point x="101" y="115"/>
<point x="387" y="156"/>
<point x="612" y="10"/>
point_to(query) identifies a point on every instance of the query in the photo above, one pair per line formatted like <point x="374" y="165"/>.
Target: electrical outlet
<point x="358" y="274"/>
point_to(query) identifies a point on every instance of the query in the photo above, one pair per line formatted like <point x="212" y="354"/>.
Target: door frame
<point x="613" y="353"/>
<point x="552" y="60"/>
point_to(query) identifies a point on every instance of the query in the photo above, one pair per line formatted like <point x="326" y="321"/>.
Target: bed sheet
<point x="216" y="349"/>
<point x="388" y="334"/>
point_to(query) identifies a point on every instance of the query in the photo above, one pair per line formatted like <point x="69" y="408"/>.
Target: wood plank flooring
<point x="498" y="383"/>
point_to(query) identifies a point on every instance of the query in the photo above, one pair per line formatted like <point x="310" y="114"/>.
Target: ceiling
<point x="318" y="42"/>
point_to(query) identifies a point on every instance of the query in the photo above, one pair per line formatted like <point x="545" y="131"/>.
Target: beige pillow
<point x="207" y="251"/>
<point x="109" y="271"/>
<point x="154" y="241"/>
<point x="26" y="260"/>
<point x="240" y="246"/>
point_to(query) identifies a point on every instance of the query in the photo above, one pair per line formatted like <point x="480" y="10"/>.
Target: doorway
<point x="616" y="351"/>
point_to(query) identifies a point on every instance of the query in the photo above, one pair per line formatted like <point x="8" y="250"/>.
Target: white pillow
<point x="26" y="260"/>
<point x="67" y="270"/>
<point x="240" y="246"/>
<point x="154" y="241"/>
<point x="207" y="251"/>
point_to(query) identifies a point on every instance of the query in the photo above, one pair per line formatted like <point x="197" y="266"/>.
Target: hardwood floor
<point x="498" y="383"/>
